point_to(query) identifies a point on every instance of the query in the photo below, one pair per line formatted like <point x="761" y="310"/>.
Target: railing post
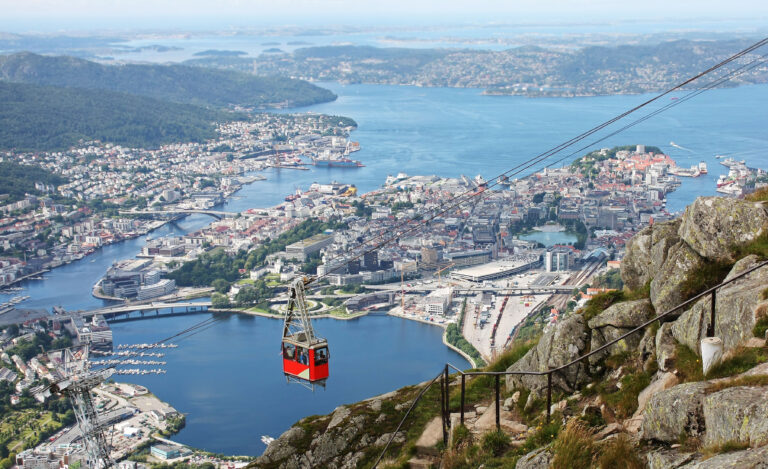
<point x="442" y="408"/>
<point x="447" y="398"/>
<point x="463" y="376"/>
<point x="498" y="416"/>
<point x="711" y="328"/>
<point x="549" y="396"/>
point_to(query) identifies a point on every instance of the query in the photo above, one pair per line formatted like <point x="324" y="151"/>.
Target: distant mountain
<point x="34" y="117"/>
<point x="177" y="83"/>
<point x="527" y="70"/>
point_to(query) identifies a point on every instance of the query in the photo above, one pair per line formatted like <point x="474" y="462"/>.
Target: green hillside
<point x="178" y="83"/>
<point x="16" y="180"/>
<point x="36" y="117"/>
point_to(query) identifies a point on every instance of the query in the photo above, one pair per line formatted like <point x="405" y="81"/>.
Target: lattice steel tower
<point x="77" y="384"/>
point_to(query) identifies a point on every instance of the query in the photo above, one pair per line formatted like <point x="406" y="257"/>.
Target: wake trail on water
<point x="681" y="147"/>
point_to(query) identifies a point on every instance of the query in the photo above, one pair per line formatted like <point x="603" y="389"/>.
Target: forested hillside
<point x="36" y="117"/>
<point x="178" y="83"/>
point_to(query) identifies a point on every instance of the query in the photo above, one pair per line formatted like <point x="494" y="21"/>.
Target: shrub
<point x="574" y="447"/>
<point x="760" y="195"/>
<point x="495" y="442"/>
<point x="462" y="437"/>
<point x="624" y="400"/>
<point x="601" y="302"/>
<point x="619" y="453"/>
<point x="543" y="435"/>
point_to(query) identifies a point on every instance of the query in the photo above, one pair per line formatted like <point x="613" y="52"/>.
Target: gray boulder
<point x="675" y="411"/>
<point x="735" y="309"/>
<point x="616" y="321"/>
<point x="674" y="272"/>
<point x="665" y="347"/>
<point x="538" y="459"/>
<point x="711" y="226"/>
<point x="747" y="459"/>
<point x="636" y="264"/>
<point x="647" y="251"/>
<point x="568" y="340"/>
<point x="282" y="448"/>
<point x="737" y="414"/>
<point x="667" y="459"/>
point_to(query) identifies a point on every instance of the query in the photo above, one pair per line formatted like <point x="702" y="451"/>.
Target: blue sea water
<point x="227" y="378"/>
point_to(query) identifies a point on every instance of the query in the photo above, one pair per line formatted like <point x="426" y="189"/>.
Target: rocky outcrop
<point x="667" y="459"/>
<point x="665" y="347"/>
<point x="568" y="340"/>
<point x="538" y="459"/>
<point x="666" y="286"/>
<point x="674" y="412"/>
<point x="616" y="321"/>
<point x="738" y="414"/>
<point x="712" y="226"/>
<point x="747" y="459"/>
<point x="735" y="308"/>
<point x="646" y="253"/>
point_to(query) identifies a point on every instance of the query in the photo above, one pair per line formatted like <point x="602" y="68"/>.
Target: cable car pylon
<point x="305" y="356"/>
<point x="77" y="386"/>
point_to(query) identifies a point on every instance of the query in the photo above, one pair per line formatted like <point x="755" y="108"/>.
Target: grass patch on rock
<point x="619" y="453"/>
<point x="704" y="278"/>
<point x="739" y="360"/>
<point x="727" y="447"/>
<point x="753" y="380"/>
<point x="574" y="447"/>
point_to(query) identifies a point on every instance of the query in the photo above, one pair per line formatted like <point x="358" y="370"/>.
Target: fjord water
<point x="228" y="379"/>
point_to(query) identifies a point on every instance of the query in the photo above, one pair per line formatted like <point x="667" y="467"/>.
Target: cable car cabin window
<point x="289" y="351"/>
<point x="321" y="356"/>
<point x="302" y="356"/>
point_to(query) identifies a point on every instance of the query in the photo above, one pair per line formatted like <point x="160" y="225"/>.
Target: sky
<point x="48" y="15"/>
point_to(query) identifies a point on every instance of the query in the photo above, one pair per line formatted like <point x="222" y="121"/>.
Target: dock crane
<point x="305" y="356"/>
<point x="439" y="281"/>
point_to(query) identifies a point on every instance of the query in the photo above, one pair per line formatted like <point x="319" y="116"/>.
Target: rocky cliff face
<point x="663" y="260"/>
<point x="669" y="258"/>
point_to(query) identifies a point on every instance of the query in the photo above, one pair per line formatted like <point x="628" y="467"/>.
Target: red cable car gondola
<point x="305" y="357"/>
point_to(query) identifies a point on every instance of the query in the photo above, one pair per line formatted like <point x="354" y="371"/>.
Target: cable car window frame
<point x="321" y="361"/>
<point x="289" y="351"/>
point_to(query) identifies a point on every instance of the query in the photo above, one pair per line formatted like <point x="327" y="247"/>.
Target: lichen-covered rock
<point x="675" y="411"/>
<point x="636" y="264"/>
<point x="665" y="346"/>
<point x="282" y="447"/>
<point x="646" y="253"/>
<point x="737" y="414"/>
<point x="666" y="285"/>
<point x="667" y="459"/>
<point x="616" y="321"/>
<point x="748" y="459"/>
<point x="712" y="226"/>
<point x="538" y="459"/>
<point x="735" y="308"/>
<point x="339" y="414"/>
<point x="647" y="347"/>
<point x="568" y="340"/>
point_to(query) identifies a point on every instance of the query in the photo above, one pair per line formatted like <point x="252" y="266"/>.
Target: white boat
<point x="267" y="439"/>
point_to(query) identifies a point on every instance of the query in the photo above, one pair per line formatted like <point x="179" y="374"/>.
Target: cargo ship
<point x="337" y="163"/>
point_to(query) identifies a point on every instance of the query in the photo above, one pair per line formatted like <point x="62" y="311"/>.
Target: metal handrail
<point x="498" y="374"/>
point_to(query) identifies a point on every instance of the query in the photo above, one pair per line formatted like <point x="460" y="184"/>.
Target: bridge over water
<point x="218" y="214"/>
<point x="138" y="311"/>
